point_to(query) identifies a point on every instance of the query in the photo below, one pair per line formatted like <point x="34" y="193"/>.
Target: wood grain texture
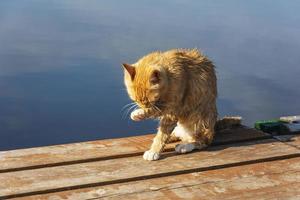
<point x="100" y="150"/>
<point x="120" y="170"/>
<point x="266" y="180"/>
<point x="68" y="153"/>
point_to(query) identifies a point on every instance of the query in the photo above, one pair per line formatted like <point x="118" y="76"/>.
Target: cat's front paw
<point x="137" y="115"/>
<point x="150" y="155"/>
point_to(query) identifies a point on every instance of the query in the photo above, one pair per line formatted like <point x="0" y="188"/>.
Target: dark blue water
<point x="61" y="79"/>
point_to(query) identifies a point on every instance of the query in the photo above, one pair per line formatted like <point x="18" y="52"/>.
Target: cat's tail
<point x="228" y="122"/>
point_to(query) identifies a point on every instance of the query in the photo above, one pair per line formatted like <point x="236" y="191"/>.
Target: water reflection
<point x="60" y="76"/>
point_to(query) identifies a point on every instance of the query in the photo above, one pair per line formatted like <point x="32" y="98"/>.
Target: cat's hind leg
<point x="192" y="137"/>
<point x="187" y="136"/>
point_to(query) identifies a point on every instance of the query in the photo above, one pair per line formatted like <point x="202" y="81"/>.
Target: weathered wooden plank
<point x="261" y="191"/>
<point x="119" y="170"/>
<point x="68" y="153"/>
<point x="293" y="140"/>
<point x="99" y="150"/>
<point x="275" y="180"/>
<point x="266" y="180"/>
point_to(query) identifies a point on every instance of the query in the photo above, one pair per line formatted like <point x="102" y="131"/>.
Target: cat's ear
<point x="155" y="77"/>
<point x="130" y="69"/>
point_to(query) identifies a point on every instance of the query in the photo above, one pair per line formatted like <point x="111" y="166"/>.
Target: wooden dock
<point x="241" y="164"/>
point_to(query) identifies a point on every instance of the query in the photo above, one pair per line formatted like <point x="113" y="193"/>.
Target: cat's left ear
<point x="155" y="77"/>
<point x="130" y="69"/>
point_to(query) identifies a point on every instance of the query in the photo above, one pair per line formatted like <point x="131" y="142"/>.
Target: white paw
<point x="184" y="148"/>
<point x="137" y="115"/>
<point x="150" y="155"/>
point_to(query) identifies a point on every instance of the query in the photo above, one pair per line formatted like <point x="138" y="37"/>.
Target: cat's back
<point x="191" y="60"/>
<point x="177" y="61"/>
<point x="188" y="53"/>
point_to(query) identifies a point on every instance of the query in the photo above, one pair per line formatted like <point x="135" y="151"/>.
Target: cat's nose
<point x="142" y="104"/>
<point x="147" y="104"/>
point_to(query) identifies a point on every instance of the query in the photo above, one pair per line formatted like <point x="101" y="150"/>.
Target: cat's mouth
<point x="157" y="105"/>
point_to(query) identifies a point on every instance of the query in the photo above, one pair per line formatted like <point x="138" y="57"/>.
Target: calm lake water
<point x="60" y="75"/>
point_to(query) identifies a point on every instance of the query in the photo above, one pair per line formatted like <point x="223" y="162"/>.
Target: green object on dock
<point x="275" y="126"/>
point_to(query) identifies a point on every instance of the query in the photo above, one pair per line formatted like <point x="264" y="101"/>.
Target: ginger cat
<point x="180" y="88"/>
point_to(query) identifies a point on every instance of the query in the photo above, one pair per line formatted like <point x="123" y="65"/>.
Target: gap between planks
<point x="261" y="157"/>
<point x="210" y="184"/>
<point x="42" y="157"/>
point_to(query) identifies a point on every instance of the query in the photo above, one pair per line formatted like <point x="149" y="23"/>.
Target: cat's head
<point x="147" y="84"/>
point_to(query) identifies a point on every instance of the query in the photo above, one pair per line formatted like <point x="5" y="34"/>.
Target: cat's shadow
<point x="219" y="147"/>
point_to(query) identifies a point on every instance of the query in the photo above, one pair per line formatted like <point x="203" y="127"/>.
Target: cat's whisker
<point x="125" y="108"/>
<point x="136" y="107"/>
<point x="156" y="108"/>
<point x="133" y="108"/>
<point x="127" y="105"/>
<point x="125" y="113"/>
<point x="130" y="109"/>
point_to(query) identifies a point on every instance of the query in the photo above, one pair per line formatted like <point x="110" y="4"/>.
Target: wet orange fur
<point x="178" y="87"/>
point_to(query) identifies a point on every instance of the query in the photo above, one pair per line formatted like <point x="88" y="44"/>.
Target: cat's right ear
<point x="130" y="69"/>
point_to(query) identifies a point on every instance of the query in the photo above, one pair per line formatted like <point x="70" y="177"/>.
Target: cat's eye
<point x="155" y="77"/>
